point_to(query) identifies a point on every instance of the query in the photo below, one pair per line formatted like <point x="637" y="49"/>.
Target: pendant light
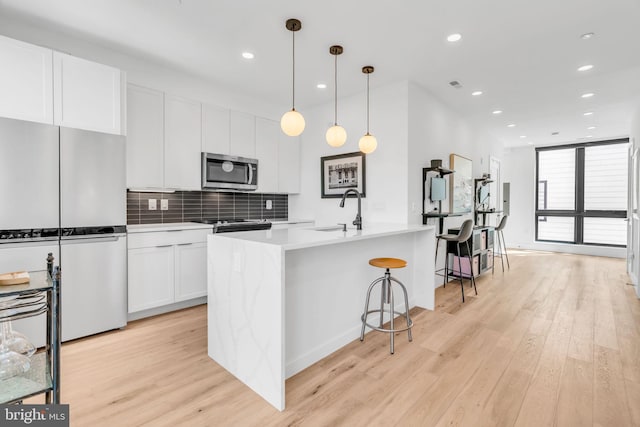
<point x="368" y="142"/>
<point x="336" y="135"/>
<point x="292" y="122"/>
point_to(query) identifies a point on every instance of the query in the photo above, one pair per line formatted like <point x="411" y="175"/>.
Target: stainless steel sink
<point x="328" y="228"/>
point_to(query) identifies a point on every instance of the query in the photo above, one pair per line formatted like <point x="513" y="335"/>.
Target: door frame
<point x="633" y="217"/>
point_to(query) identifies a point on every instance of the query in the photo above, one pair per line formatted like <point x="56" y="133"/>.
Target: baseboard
<point x="166" y="309"/>
<point x="605" y="251"/>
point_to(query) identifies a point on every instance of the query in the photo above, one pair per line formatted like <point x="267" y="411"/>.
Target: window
<point x="582" y="193"/>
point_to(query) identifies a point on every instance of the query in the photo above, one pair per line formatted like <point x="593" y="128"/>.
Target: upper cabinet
<point x="288" y="164"/>
<point x="145" y="138"/>
<point x="267" y="135"/>
<point x="26" y="81"/>
<point x="86" y="94"/>
<point x="215" y="129"/>
<point x="242" y="134"/>
<point x="41" y="85"/>
<point x="182" y="125"/>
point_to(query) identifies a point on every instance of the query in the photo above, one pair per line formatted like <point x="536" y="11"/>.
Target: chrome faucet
<point x="358" y="221"/>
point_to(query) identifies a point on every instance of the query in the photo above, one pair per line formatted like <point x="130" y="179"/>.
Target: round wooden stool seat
<point x="388" y="262"/>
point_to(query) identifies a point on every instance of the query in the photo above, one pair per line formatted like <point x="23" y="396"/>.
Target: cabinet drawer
<point x="162" y="238"/>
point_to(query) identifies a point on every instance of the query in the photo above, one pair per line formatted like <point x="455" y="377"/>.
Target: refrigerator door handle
<point x="76" y="240"/>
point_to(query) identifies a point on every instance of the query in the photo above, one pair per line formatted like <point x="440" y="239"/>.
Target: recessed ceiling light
<point x="587" y="36"/>
<point x="321" y="85"/>
<point x="589" y="136"/>
<point x="248" y="55"/>
<point x="497" y="112"/>
<point x="523" y="136"/>
<point x="476" y="93"/>
<point x="591" y="128"/>
<point x="587" y="95"/>
<point x="588" y="113"/>
<point x="585" y="67"/>
<point x="511" y="125"/>
<point x="454" y="38"/>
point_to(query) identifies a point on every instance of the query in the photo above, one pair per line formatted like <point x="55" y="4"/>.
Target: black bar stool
<point x="463" y="236"/>
<point x="386" y="297"/>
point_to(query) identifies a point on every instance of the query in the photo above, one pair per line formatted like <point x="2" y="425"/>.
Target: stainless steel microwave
<point x="223" y="172"/>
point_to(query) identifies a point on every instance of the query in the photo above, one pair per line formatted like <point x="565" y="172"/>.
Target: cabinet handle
<point x="164" y="246"/>
<point x="185" y="244"/>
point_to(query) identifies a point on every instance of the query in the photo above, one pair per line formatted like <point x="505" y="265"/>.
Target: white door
<point x="633" y="217"/>
<point x="145" y="138"/>
<point x="151" y="277"/>
<point x="191" y="271"/>
<point x="182" y="134"/>
<point x="87" y="95"/>
<point x="26" y="81"/>
<point x="267" y="137"/>
<point x="495" y="189"/>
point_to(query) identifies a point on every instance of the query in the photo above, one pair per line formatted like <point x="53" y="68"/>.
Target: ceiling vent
<point x="455" y="84"/>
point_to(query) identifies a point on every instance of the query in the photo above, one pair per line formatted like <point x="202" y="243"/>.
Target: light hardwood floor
<point x="553" y="341"/>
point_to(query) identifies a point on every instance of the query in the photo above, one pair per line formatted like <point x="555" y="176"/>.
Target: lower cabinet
<point x="166" y="267"/>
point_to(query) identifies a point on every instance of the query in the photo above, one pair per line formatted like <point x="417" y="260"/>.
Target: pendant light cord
<point x="293" y="96"/>
<point x="335" y="74"/>
<point x="367" y="104"/>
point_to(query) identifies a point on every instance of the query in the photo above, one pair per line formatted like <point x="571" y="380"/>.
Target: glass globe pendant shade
<point x="368" y="143"/>
<point x="336" y="136"/>
<point x="292" y="123"/>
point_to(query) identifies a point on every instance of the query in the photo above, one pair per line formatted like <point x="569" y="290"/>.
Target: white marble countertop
<point x="299" y="238"/>
<point x="147" y="228"/>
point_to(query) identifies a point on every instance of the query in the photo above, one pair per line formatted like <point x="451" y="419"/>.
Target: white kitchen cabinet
<point x="215" y="129"/>
<point x="166" y="267"/>
<point x="267" y="137"/>
<point x="242" y="135"/>
<point x="26" y="81"/>
<point x="145" y="138"/>
<point x="87" y="95"/>
<point x="288" y="164"/>
<point x="150" y="277"/>
<point x="191" y="271"/>
<point x="182" y="132"/>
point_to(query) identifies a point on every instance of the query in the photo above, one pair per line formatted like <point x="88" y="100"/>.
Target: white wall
<point x="143" y="72"/>
<point x="412" y="127"/>
<point x="436" y="131"/>
<point x="386" y="168"/>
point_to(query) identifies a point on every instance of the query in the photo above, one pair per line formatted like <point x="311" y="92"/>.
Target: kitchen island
<point x="280" y="300"/>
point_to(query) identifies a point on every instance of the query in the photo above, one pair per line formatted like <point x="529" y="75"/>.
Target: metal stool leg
<point x="473" y="276"/>
<point x="366" y="306"/>
<point x="406" y="306"/>
<point x="460" y="270"/>
<point x="391" y="314"/>
<point x="504" y="244"/>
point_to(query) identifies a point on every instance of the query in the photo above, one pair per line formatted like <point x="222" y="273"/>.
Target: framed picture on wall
<point x="461" y="199"/>
<point x="342" y="172"/>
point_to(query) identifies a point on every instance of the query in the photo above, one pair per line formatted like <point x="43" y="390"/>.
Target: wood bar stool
<point x="386" y="297"/>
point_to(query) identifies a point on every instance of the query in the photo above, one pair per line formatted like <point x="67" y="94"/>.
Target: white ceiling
<point x="523" y="54"/>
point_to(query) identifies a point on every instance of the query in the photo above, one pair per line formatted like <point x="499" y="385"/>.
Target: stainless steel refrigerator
<point x="64" y="191"/>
